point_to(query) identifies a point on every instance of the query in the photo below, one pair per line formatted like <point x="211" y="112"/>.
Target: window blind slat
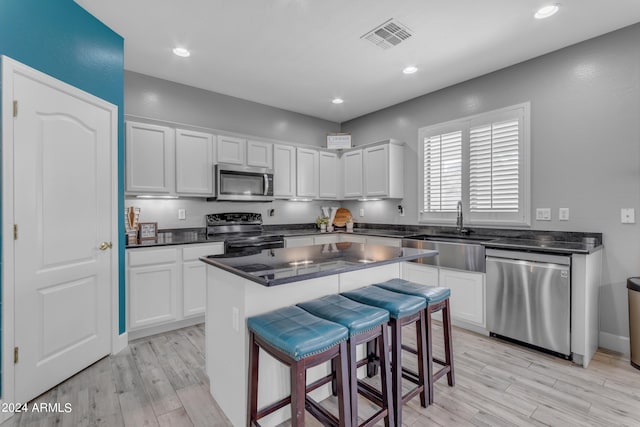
<point x="442" y="172"/>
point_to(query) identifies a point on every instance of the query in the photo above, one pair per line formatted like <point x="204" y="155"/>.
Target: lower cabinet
<point x="467" y="290"/>
<point x="467" y="295"/>
<point x="166" y="285"/>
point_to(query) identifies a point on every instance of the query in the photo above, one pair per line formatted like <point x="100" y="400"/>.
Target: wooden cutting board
<point x="341" y="217"/>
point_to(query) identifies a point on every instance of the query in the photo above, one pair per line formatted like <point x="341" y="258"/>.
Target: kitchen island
<point x="250" y="283"/>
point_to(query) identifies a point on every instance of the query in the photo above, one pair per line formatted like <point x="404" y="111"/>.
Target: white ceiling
<point x="300" y="54"/>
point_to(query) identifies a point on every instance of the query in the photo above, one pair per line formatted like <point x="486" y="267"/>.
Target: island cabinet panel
<point x="194" y="163"/>
<point x="467" y="295"/>
<point x="307" y="173"/>
<point x="149" y="164"/>
<point x="353" y="173"/>
<point x="284" y="171"/>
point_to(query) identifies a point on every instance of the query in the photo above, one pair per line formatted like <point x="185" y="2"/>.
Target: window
<point x="482" y="161"/>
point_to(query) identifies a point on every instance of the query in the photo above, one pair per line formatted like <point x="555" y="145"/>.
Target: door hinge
<point x="15" y="108"/>
<point x="15" y="231"/>
<point x="16" y="350"/>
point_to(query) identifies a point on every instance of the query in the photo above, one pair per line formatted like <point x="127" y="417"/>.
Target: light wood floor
<point x="161" y="381"/>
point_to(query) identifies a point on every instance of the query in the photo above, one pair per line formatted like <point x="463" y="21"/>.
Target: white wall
<point x="585" y="145"/>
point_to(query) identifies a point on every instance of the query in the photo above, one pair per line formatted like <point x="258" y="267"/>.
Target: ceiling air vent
<point x="388" y="34"/>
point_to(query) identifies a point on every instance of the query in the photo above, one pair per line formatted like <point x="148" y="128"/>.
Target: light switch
<point x="361" y="211"/>
<point x="563" y="214"/>
<point x="182" y="214"/>
<point x="543" y="214"/>
<point x="628" y="215"/>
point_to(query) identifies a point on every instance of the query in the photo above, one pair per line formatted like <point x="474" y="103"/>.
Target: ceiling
<point x="300" y="54"/>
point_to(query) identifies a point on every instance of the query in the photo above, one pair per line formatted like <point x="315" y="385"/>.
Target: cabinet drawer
<point x="192" y="253"/>
<point x="156" y="256"/>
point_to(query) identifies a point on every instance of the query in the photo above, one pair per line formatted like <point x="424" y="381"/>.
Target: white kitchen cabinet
<point x="384" y="170"/>
<point x="239" y="151"/>
<point x="166" y="286"/>
<point x="423" y="274"/>
<point x="329" y="175"/>
<point x="297" y="241"/>
<point x="194" y="277"/>
<point x="353" y="174"/>
<point x="152" y="287"/>
<point x="467" y="295"/>
<point x="307" y="173"/>
<point x="194" y="163"/>
<point x="348" y="237"/>
<point x="231" y="150"/>
<point x="149" y="159"/>
<point x="260" y="154"/>
<point x="325" y="239"/>
<point x="284" y="171"/>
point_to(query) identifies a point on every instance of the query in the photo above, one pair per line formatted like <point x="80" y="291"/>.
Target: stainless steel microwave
<point x="242" y="183"/>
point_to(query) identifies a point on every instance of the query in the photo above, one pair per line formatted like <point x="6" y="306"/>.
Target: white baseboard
<point x="617" y="343"/>
<point x="159" y="329"/>
<point x="120" y="343"/>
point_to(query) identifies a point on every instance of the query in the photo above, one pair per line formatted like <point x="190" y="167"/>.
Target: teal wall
<point x="63" y="40"/>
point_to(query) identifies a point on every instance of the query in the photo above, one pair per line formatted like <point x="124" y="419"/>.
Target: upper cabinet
<point x="353" y="174"/>
<point x="383" y="170"/>
<point x="149" y="159"/>
<point x="307" y="172"/>
<point x="165" y="161"/>
<point x="329" y="174"/>
<point x="194" y="163"/>
<point x="284" y="171"/>
<point x="239" y="151"/>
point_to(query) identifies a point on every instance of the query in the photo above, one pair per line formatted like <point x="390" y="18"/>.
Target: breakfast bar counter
<point x="247" y="284"/>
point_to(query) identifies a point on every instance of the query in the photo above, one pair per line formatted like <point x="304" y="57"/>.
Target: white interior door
<point x="63" y="207"/>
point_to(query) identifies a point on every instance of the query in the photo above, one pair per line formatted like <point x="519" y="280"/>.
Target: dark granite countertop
<point x="273" y="267"/>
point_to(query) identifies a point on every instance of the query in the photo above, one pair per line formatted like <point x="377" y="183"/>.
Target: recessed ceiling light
<point x="410" y="70"/>
<point x="546" y="11"/>
<point x="182" y="52"/>
<point x="337" y="100"/>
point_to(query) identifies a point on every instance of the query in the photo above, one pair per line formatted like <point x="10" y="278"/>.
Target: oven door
<point x="238" y="183"/>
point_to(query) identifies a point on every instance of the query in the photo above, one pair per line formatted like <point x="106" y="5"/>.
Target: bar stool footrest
<point x="321" y="414"/>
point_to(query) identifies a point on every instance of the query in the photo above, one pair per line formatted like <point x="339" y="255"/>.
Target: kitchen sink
<point x="460" y="252"/>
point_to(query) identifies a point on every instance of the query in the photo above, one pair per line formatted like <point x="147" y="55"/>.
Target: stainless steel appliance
<point x="459" y="253"/>
<point x="242" y="232"/>
<point x="529" y="299"/>
<point x="242" y="183"/>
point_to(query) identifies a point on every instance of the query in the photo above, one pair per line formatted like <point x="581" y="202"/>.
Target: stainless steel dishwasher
<point x="529" y="299"/>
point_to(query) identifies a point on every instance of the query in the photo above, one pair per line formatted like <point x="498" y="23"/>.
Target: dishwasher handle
<point x="529" y="256"/>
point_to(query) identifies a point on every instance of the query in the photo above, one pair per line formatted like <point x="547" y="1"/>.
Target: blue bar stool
<point x="437" y="298"/>
<point x="403" y="310"/>
<point x="365" y="323"/>
<point x="299" y="340"/>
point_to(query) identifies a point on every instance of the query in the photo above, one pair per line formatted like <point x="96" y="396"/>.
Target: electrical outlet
<point x="628" y="215"/>
<point x="182" y="214"/>
<point x="563" y="214"/>
<point x="361" y="211"/>
<point x="543" y="214"/>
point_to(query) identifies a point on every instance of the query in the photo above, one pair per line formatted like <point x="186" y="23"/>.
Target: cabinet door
<point x="307" y="173"/>
<point x="194" y="163"/>
<point x="376" y="171"/>
<point x="152" y="295"/>
<point x="295" y="242"/>
<point x="467" y="295"/>
<point x="328" y="175"/>
<point x="260" y="154"/>
<point x="348" y="237"/>
<point x="352" y="163"/>
<point x="326" y="239"/>
<point x="284" y="171"/>
<point x="420" y="273"/>
<point x="231" y="150"/>
<point x="194" y="285"/>
<point x="149" y="158"/>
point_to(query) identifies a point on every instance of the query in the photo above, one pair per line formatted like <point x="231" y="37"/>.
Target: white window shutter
<point x="494" y="167"/>
<point x="442" y="172"/>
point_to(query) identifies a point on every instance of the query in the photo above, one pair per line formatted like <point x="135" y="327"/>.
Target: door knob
<point x="105" y="245"/>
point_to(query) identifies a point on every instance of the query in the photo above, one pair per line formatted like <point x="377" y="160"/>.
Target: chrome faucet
<point x="459" y="220"/>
